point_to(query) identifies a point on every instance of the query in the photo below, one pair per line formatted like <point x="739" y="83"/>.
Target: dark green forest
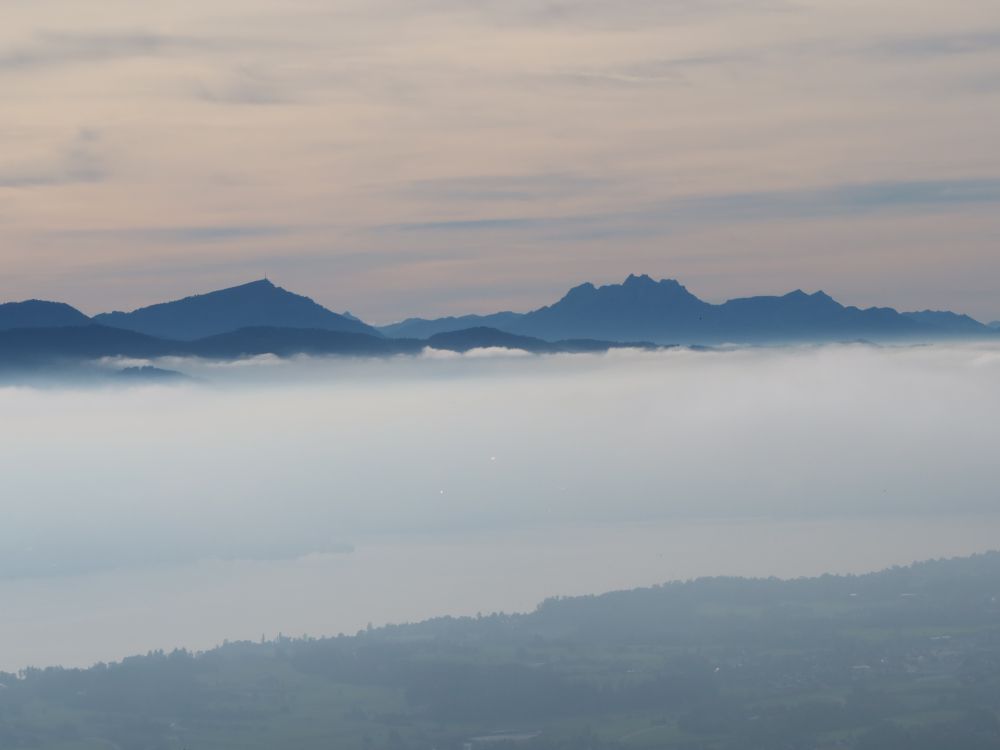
<point x="904" y="658"/>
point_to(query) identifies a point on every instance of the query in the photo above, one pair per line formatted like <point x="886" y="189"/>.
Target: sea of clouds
<point x="276" y="459"/>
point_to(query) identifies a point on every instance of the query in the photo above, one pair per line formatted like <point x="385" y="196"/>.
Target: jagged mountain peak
<point x="801" y="296"/>
<point x="645" y="281"/>
<point x="584" y="289"/>
<point x="634" y="280"/>
<point x="634" y="285"/>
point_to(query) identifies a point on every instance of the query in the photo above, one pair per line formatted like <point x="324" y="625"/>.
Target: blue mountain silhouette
<point x="259" y="303"/>
<point x="260" y="318"/>
<point x="666" y="312"/>
<point x="36" y="313"/>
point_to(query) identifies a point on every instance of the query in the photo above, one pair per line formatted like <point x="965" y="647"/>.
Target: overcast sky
<point x="398" y="157"/>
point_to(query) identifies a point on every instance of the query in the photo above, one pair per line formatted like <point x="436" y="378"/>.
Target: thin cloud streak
<point x="52" y="50"/>
<point x="834" y="201"/>
<point x="604" y="13"/>
<point x="81" y="161"/>
<point x="178" y="235"/>
<point x="936" y="45"/>
<point x="505" y="187"/>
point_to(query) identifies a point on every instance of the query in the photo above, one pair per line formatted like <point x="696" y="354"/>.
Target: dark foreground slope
<point x="907" y="658"/>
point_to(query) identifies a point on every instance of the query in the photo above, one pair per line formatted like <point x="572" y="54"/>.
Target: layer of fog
<point x="278" y="459"/>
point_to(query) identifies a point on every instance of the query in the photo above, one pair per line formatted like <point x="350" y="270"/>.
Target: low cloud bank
<point x="279" y="459"/>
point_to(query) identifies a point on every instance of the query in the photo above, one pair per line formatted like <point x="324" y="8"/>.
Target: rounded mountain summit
<point x="259" y="303"/>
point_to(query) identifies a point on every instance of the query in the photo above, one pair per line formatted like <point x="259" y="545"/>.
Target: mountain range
<point x="259" y="318"/>
<point x="666" y="312"/>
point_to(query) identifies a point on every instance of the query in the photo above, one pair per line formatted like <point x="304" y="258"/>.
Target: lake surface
<point x="79" y="620"/>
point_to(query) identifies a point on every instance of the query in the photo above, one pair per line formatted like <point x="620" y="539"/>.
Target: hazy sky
<point x="401" y="157"/>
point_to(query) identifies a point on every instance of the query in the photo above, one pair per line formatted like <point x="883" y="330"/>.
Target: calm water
<point x="83" y="619"/>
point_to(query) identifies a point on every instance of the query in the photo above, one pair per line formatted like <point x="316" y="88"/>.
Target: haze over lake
<point x="320" y="495"/>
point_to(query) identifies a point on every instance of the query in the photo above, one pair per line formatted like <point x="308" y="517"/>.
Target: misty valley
<point x="499" y="375"/>
<point x="198" y="471"/>
<point x="421" y="503"/>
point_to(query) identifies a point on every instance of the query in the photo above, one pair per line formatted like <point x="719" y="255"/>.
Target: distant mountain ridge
<point x="259" y="303"/>
<point x="482" y="337"/>
<point x="423" y="327"/>
<point x="947" y="321"/>
<point x="260" y="317"/>
<point x="666" y="312"/>
<point x="40" y="347"/>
